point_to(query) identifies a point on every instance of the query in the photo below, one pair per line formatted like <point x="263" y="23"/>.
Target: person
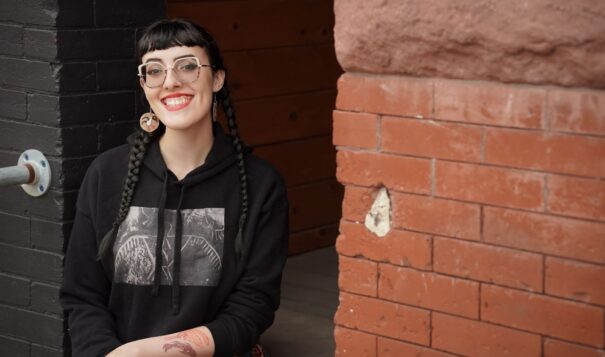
<point x="180" y="235"/>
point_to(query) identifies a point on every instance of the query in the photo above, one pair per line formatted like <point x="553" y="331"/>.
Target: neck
<point x="185" y="150"/>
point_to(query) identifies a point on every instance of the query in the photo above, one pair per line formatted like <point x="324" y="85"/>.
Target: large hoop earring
<point x="214" y="105"/>
<point x="149" y="122"/>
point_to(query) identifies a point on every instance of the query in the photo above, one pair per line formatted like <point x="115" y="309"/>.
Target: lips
<point x="177" y="101"/>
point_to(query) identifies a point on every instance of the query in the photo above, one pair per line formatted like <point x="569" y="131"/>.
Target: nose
<point x="172" y="80"/>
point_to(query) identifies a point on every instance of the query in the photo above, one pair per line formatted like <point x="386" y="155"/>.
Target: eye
<point x="187" y="65"/>
<point x="154" y="70"/>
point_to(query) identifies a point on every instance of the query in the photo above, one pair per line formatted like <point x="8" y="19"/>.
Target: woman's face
<point x="183" y="100"/>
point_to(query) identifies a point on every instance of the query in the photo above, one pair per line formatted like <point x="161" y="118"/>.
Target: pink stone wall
<point x="557" y="42"/>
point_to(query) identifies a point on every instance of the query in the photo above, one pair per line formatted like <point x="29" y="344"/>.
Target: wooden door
<point x="282" y="72"/>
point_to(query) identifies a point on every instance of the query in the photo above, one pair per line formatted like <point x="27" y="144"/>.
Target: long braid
<point x="137" y="154"/>
<point x="239" y="147"/>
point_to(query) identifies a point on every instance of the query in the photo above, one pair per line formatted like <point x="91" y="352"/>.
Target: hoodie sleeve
<point x="250" y="308"/>
<point x="85" y="290"/>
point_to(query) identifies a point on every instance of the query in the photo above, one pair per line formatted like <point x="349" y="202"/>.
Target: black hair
<point x="161" y="35"/>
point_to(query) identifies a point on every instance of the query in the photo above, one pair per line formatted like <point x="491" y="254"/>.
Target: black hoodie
<point x="121" y="299"/>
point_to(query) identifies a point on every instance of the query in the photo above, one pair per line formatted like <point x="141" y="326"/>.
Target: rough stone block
<point x="21" y="136"/>
<point x="33" y="12"/>
<point x="77" y="77"/>
<point x="53" y="205"/>
<point x="42" y="108"/>
<point x="78" y="141"/>
<point x="75" y="13"/>
<point x="97" y="108"/>
<point x="31" y="263"/>
<point x="114" y="134"/>
<point x="49" y="235"/>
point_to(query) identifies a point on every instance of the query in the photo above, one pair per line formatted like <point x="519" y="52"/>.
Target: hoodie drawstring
<point x="176" y="267"/>
<point x="160" y="239"/>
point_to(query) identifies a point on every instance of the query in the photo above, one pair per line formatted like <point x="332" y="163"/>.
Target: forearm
<point x="196" y="342"/>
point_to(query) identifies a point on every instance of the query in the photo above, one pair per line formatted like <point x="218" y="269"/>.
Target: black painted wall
<point x="67" y="88"/>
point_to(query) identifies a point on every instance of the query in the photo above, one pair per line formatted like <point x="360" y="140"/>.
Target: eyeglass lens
<point x="186" y="70"/>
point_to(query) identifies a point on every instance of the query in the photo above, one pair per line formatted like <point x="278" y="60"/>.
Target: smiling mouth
<point x="176" y="103"/>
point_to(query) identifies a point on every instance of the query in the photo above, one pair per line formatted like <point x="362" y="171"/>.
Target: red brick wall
<point x="497" y="240"/>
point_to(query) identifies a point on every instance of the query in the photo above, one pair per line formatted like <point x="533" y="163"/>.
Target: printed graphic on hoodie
<point x="201" y="246"/>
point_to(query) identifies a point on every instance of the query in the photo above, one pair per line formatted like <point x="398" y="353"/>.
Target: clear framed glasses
<point x="186" y="70"/>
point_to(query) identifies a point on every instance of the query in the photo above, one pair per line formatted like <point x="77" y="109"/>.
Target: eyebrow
<point x="174" y="59"/>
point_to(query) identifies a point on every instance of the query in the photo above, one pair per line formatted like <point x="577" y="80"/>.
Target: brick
<point x="554" y="348"/>
<point x="97" y="108"/>
<point x="488" y="264"/>
<point x="474" y="338"/>
<point x="20" y="136"/>
<point x="115" y="134"/>
<point x="355" y="129"/>
<point x="489" y="103"/>
<point x="577" y="111"/>
<point x="395" y="172"/>
<point x="95" y="44"/>
<point x="43" y="351"/>
<point x="80" y="140"/>
<point x="32" y="12"/>
<point x="45" y="299"/>
<point x="76" y="13"/>
<point x="15" y="290"/>
<point x="392" y="348"/>
<point x="383" y="318"/>
<point x="13" y="347"/>
<point x="491" y="185"/>
<point x="31" y="263"/>
<point x="556" y="153"/>
<point x="77" y="76"/>
<point x="357" y="202"/>
<point x="42" y="108"/>
<point x="40" y="44"/>
<point x="73" y="171"/>
<point x="354" y="343"/>
<point x="397" y="247"/>
<point x="53" y="204"/>
<point x="545" y="234"/>
<point x="117" y="74"/>
<point x="431" y="138"/>
<point x="22" y="73"/>
<point x="11" y="40"/>
<point x="436" y="216"/>
<point x="393" y="95"/>
<point x="137" y="12"/>
<point x="15" y="228"/>
<point x="31" y="326"/>
<point x="578" y="197"/>
<point x="358" y="276"/>
<point x="429" y="290"/>
<point x="576" y="281"/>
<point x="49" y="236"/>
<point x="544" y="315"/>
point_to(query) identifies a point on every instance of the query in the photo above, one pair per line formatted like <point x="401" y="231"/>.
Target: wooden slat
<point x="238" y="25"/>
<point x="280" y="71"/>
<point x="302" y="161"/>
<point x="314" y="205"/>
<point x="302" y="242"/>
<point x="284" y="118"/>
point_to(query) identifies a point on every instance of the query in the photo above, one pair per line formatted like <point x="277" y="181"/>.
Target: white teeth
<point x="176" y="101"/>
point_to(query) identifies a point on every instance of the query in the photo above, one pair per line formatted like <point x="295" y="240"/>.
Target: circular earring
<point x="149" y="122"/>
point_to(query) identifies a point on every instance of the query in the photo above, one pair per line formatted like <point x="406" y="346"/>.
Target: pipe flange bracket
<point x="41" y="168"/>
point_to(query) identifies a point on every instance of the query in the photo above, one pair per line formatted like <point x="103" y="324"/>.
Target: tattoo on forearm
<point x="195" y="336"/>
<point x="183" y="347"/>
